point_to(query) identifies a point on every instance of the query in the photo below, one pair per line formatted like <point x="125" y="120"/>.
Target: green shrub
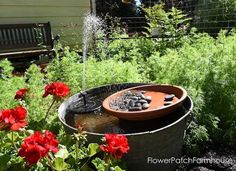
<point x="9" y="85"/>
<point x="136" y="49"/>
<point x="34" y="81"/>
<point x="37" y="106"/>
<point x="206" y="69"/>
<point x="67" y="70"/>
<point x="170" y="25"/>
<point x="110" y="71"/>
<point x="70" y="71"/>
<point x="219" y="88"/>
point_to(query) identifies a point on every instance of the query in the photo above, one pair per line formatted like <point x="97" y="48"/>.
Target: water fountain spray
<point x="92" y="25"/>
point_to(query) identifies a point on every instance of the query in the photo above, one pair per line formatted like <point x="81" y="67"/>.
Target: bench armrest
<point x="55" y="39"/>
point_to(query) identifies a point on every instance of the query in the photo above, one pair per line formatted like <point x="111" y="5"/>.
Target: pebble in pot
<point x="145" y="106"/>
<point x="134" y="98"/>
<point x="169" y="97"/>
<point x="167" y="103"/>
<point x="131" y="103"/>
<point x="138" y="104"/>
<point x="128" y="93"/>
<point x="142" y="101"/>
<point x="148" y="99"/>
<point x="135" y="108"/>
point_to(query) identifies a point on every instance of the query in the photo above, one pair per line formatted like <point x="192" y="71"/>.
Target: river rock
<point x="122" y="107"/>
<point x="167" y="103"/>
<point x="126" y="101"/>
<point x="145" y="106"/>
<point x="201" y="169"/>
<point x="142" y="96"/>
<point x="143" y="92"/>
<point x="138" y="104"/>
<point x="131" y="103"/>
<point x="134" y="98"/>
<point x="233" y="167"/>
<point x="169" y="97"/>
<point x="142" y="101"/>
<point x="128" y="93"/>
<point x="135" y="108"/>
<point x="148" y="98"/>
<point x="115" y="107"/>
<point x="138" y="94"/>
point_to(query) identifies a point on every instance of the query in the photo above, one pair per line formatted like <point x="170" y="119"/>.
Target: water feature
<point x="100" y="121"/>
<point x="158" y="138"/>
<point x="92" y="25"/>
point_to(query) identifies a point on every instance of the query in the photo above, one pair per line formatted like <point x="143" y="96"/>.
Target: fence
<point x="207" y="15"/>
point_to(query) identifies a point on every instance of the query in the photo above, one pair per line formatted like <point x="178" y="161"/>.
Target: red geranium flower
<point x="50" y="141"/>
<point x="20" y="93"/>
<point x="13" y="118"/>
<point x="57" y="89"/>
<point x="37" y="146"/>
<point x="116" y="145"/>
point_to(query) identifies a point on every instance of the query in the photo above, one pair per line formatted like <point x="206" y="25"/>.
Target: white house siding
<point x="65" y="16"/>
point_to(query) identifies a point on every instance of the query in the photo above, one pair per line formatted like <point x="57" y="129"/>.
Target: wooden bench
<point x="21" y="41"/>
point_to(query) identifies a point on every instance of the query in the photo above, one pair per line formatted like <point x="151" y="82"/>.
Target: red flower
<point x="116" y="145"/>
<point x="37" y="146"/>
<point x="32" y="153"/>
<point x="57" y="89"/>
<point x="20" y="93"/>
<point x="13" y="118"/>
<point x="50" y="141"/>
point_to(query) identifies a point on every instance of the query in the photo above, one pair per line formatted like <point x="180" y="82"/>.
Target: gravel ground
<point x="221" y="161"/>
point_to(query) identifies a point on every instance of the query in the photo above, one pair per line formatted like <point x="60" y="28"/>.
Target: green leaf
<point x="99" y="164"/>
<point x="93" y="149"/>
<point x="4" y="160"/>
<point x="59" y="164"/>
<point x="86" y="168"/>
<point x="62" y="153"/>
<point x="15" y="136"/>
<point x="117" y="168"/>
<point x="79" y="153"/>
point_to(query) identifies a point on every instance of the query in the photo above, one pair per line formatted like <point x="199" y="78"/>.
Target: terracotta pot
<point x="156" y="109"/>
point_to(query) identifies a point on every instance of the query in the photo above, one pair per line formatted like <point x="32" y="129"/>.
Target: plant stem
<point x="84" y="163"/>
<point x="54" y="100"/>
<point x="12" y="140"/>
<point x="108" y="161"/>
<point x="76" y="151"/>
<point x="50" y="163"/>
<point x="1" y="125"/>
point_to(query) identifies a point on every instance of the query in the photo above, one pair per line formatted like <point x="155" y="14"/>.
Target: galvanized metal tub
<point x="150" y="150"/>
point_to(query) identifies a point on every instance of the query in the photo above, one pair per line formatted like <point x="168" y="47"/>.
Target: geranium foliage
<point x="32" y="137"/>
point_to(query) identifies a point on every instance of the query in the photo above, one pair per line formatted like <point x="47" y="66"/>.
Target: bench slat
<point x="22" y="39"/>
<point x="24" y="52"/>
<point x="25" y="35"/>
